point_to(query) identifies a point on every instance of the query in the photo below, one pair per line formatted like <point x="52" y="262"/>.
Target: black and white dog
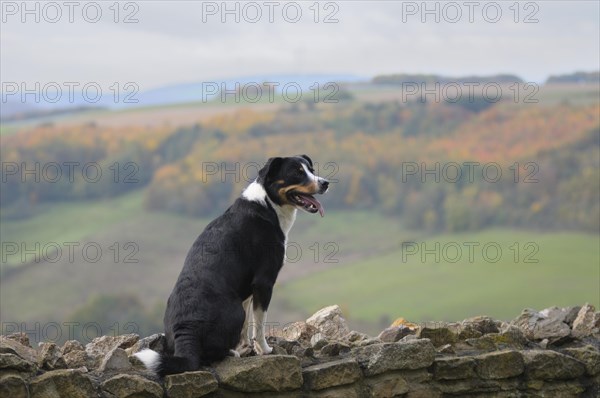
<point x="229" y="272"/>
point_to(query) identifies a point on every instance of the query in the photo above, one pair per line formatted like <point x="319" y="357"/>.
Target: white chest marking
<point x="285" y="214"/>
<point x="255" y="193"/>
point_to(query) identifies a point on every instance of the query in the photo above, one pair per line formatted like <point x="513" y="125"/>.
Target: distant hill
<point x="430" y="79"/>
<point x="15" y="109"/>
<point x="577" y="77"/>
<point x="11" y="108"/>
<point x="192" y="92"/>
<point x="25" y="111"/>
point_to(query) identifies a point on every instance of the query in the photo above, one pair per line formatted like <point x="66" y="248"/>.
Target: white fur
<point x="309" y="174"/>
<point x="313" y="177"/>
<point x="246" y="337"/>
<point x="260" y="342"/>
<point x="150" y="358"/>
<point x="286" y="215"/>
<point x="255" y="193"/>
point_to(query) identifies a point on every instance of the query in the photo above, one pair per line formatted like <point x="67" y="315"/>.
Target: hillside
<point x="185" y="167"/>
<point x="532" y="268"/>
<point x="156" y="193"/>
<point x="352" y="258"/>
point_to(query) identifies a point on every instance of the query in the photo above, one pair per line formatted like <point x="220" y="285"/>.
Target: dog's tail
<point x="164" y="365"/>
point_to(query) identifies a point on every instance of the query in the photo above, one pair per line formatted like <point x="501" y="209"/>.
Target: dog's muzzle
<point x="323" y="185"/>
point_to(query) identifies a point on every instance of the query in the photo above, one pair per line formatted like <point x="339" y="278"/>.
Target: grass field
<point x="417" y="288"/>
<point x="68" y="222"/>
<point x="80" y="220"/>
<point x="350" y="258"/>
<point x="50" y="291"/>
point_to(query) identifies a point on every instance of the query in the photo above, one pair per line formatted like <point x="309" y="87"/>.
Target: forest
<point x="440" y="166"/>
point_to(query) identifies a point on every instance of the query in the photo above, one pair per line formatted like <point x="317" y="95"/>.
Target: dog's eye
<point x="299" y="171"/>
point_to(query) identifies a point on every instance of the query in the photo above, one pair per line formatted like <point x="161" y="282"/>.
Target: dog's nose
<point x="324" y="185"/>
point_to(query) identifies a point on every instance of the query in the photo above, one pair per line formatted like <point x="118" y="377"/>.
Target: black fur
<point x="238" y="255"/>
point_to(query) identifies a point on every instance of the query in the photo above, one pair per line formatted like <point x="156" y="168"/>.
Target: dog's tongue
<point x="316" y="203"/>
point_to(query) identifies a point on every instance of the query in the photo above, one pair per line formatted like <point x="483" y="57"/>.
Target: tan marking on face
<point x="309" y="189"/>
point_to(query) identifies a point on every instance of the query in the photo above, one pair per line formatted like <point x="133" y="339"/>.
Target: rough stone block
<point x="454" y="368"/>
<point x="190" y="384"/>
<point x="550" y="365"/>
<point x="390" y="384"/>
<point x="379" y="358"/>
<point x="260" y="373"/>
<point x="13" y="386"/>
<point x="125" y="386"/>
<point x="500" y="365"/>
<point x="331" y="374"/>
<point x="62" y="383"/>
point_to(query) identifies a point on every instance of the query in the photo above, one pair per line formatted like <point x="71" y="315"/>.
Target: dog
<point x="229" y="273"/>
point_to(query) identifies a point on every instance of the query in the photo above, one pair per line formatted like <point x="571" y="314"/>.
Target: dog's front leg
<point x="260" y="302"/>
<point x="246" y="338"/>
<point x="245" y="346"/>
<point x="260" y="342"/>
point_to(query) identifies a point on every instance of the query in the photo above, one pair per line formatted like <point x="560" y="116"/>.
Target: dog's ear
<point x="307" y="159"/>
<point x="271" y="167"/>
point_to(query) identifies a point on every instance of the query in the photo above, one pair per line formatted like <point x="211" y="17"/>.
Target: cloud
<point x="171" y="43"/>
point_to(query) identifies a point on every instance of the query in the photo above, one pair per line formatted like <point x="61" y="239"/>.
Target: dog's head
<point x="291" y="181"/>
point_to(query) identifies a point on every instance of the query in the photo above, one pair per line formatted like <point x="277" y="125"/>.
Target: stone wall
<point x="551" y="353"/>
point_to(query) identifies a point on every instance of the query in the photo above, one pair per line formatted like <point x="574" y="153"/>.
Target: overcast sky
<point x="177" y="42"/>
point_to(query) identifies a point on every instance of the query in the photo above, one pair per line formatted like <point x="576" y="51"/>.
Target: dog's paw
<point x="245" y="351"/>
<point x="262" y="349"/>
<point x="234" y="353"/>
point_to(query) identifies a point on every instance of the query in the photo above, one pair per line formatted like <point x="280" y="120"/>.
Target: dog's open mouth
<point x="306" y="202"/>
